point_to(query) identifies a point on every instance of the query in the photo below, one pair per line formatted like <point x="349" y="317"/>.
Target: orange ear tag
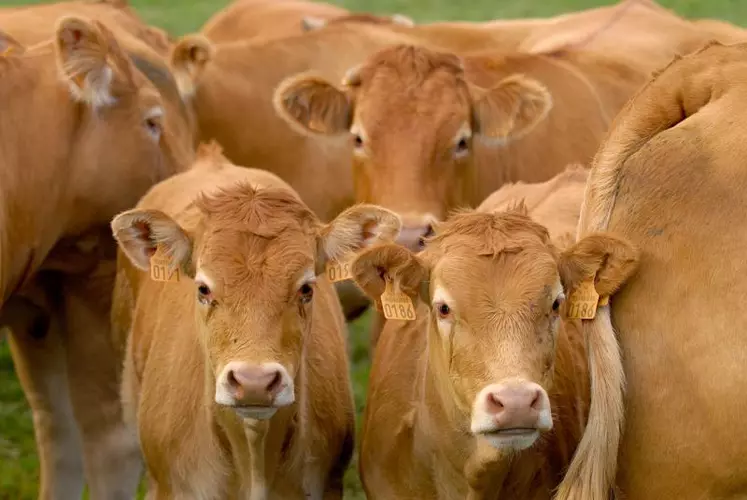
<point x="160" y="267"/>
<point x="338" y="271"/>
<point x="396" y="305"/>
<point x="584" y="300"/>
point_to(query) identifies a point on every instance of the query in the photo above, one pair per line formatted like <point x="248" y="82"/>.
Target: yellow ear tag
<point x="584" y="300"/>
<point x="396" y="305"/>
<point x="160" y="267"/>
<point x="338" y="271"/>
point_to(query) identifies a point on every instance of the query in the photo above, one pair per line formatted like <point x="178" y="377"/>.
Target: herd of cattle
<point x="503" y="193"/>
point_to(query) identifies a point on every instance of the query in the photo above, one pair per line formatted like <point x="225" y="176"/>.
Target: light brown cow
<point x="276" y="19"/>
<point x="484" y="395"/>
<point x="108" y="134"/>
<point x="252" y="397"/>
<point x="555" y="204"/>
<point x="670" y="178"/>
<point x="32" y="24"/>
<point x="432" y="132"/>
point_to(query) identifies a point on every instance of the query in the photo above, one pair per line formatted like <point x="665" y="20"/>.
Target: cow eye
<point x="558" y="302"/>
<point x="153" y="123"/>
<point x="305" y="293"/>
<point x="443" y="310"/>
<point x="204" y="294"/>
<point x="462" y="147"/>
<point x="357" y="141"/>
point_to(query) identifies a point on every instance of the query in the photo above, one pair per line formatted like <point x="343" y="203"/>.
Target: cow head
<point x="413" y="119"/>
<point x="128" y="135"/>
<point x="494" y="295"/>
<point x="254" y="258"/>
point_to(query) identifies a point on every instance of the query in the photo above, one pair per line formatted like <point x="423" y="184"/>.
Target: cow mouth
<point x="514" y="432"/>
<point x="255" y="412"/>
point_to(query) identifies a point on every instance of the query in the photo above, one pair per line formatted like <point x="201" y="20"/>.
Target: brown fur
<point x="254" y="239"/>
<point x="417" y="443"/>
<point x="94" y="163"/>
<point x="670" y="158"/>
<point x="556" y="203"/>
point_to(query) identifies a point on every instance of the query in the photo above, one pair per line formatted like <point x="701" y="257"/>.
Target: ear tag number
<point x="160" y="267"/>
<point x="339" y="271"/>
<point x="584" y="301"/>
<point x="396" y="305"/>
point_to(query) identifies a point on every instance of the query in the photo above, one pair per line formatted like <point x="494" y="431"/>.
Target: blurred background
<point x="18" y="460"/>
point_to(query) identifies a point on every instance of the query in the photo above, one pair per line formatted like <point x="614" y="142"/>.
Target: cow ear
<point x="373" y="266"/>
<point x="313" y="106"/>
<point x="607" y="259"/>
<point x="357" y="227"/>
<point x="188" y="59"/>
<point x="9" y="45"/>
<point x="90" y="60"/>
<point x="140" y="233"/>
<point x="511" y="109"/>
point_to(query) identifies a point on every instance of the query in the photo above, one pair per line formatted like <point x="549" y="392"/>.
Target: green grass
<point x="18" y="462"/>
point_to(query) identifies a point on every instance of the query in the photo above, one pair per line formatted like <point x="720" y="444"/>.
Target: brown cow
<point x="670" y="178"/>
<point x="252" y="398"/>
<point x="109" y="133"/>
<point x="32" y="24"/>
<point x="276" y="19"/>
<point x="432" y="132"/>
<point x="556" y="203"/>
<point x="484" y="395"/>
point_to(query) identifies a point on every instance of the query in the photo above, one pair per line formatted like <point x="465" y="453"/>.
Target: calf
<point x="236" y="374"/>
<point x="485" y="394"/>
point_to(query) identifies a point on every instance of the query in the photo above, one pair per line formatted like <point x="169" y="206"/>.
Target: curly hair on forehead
<point x="490" y="234"/>
<point x="265" y="212"/>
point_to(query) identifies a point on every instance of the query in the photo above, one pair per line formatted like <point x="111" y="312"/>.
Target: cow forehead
<point x="236" y="258"/>
<point x="508" y="282"/>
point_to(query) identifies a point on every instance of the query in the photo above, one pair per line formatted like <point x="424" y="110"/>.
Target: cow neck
<point x="34" y="166"/>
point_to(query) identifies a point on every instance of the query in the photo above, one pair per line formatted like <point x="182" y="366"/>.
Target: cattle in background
<point x="668" y="382"/>
<point x="432" y="132"/>
<point x="252" y="397"/>
<point x="275" y="19"/>
<point x="485" y="393"/>
<point x="556" y="203"/>
<point x="31" y="24"/>
<point x="108" y="134"/>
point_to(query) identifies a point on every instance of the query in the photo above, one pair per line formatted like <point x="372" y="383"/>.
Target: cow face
<point x="128" y="135"/>
<point x="493" y="289"/>
<point x="413" y="119"/>
<point x="254" y="258"/>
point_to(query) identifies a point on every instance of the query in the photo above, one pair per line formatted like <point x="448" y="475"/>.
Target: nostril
<point x="536" y="400"/>
<point x="275" y="383"/>
<point x="232" y="380"/>
<point x="427" y="233"/>
<point x="494" y="403"/>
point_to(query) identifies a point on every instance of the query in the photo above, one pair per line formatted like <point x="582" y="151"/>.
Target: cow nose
<point x="253" y="385"/>
<point x="413" y="237"/>
<point x="516" y="406"/>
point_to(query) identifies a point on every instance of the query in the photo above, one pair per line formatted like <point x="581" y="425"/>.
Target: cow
<point x="32" y="24"/>
<point x="556" y="203"/>
<point x="109" y="133"/>
<point x="252" y="398"/>
<point x="668" y="381"/>
<point x="432" y="131"/>
<point x="481" y="389"/>
<point x="272" y="19"/>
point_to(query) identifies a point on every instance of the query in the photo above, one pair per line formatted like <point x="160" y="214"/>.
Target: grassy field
<point x="18" y="463"/>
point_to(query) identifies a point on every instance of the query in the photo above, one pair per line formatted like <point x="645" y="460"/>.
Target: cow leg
<point x="39" y="359"/>
<point x="111" y="452"/>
